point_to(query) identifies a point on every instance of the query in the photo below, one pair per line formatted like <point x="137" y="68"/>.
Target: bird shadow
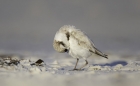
<point x="113" y="63"/>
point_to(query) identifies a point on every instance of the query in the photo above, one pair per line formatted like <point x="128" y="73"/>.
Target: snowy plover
<point x="76" y="43"/>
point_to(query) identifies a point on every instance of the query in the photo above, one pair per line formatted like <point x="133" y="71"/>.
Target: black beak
<point x="66" y="50"/>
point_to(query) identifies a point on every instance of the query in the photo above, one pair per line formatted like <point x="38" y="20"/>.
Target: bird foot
<point x="75" y="69"/>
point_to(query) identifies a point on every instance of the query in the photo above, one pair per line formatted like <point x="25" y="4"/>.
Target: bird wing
<point x="98" y="52"/>
<point x="82" y="39"/>
<point x="85" y="42"/>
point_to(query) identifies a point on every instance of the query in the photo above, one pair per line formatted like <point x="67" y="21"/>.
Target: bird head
<point x="59" y="46"/>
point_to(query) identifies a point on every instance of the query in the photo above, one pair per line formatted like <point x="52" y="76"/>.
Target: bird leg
<point x="75" y="66"/>
<point x="83" y="65"/>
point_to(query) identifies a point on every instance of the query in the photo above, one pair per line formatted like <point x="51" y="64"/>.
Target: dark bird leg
<point x="83" y="65"/>
<point x="75" y="66"/>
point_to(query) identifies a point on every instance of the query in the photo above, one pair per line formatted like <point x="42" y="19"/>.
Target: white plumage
<point x="76" y="43"/>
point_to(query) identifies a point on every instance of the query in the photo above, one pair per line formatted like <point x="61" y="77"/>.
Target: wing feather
<point x="85" y="42"/>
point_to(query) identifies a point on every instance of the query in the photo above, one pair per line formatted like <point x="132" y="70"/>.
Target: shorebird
<point x="76" y="43"/>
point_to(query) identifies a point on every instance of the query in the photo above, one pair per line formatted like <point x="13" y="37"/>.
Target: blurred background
<point x="30" y="25"/>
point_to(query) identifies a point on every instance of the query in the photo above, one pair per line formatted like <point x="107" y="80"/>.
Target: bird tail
<point x="98" y="52"/>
